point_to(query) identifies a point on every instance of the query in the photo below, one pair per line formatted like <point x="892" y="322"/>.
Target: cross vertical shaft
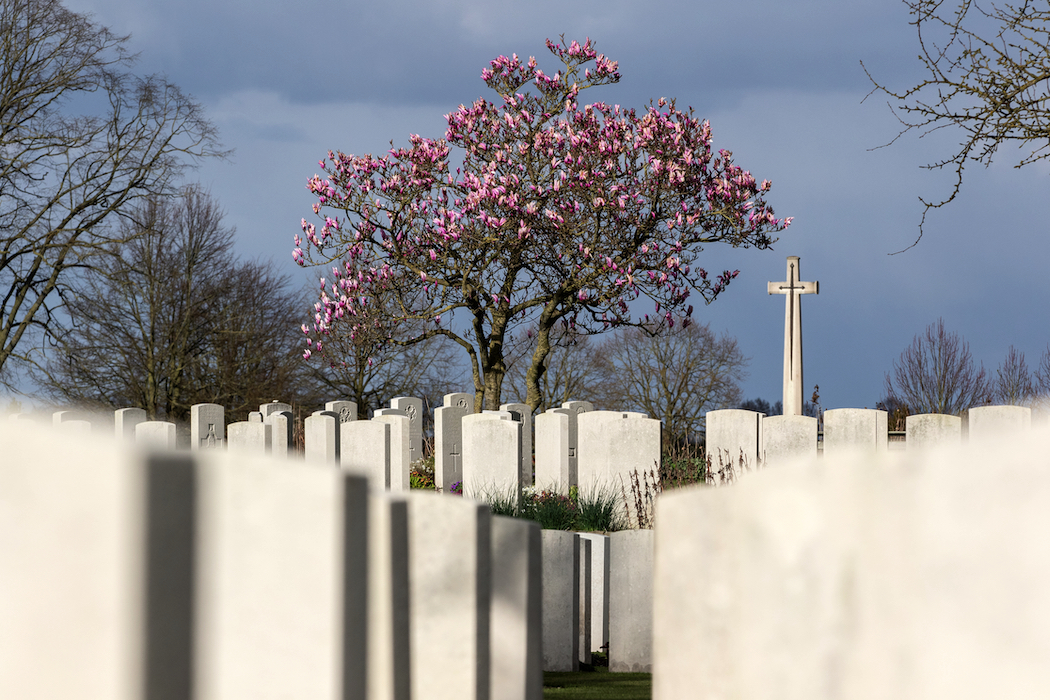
<point x="793" y="289"/>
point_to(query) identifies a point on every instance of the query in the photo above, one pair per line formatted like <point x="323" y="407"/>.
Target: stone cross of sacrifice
<point x="792" y="289"/>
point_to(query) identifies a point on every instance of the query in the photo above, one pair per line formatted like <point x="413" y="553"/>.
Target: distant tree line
<point x="937" y="374"/>
<point x="676" y="375"/>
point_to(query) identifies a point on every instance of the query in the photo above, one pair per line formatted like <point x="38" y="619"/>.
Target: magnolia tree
<point x="560" y="213"/>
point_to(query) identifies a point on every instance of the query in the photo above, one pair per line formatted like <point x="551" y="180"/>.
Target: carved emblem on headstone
<point x="410" y="409"/>
<point x="210" y="440"/>
<point x="344" y="415"/>
<point x="462" y="403"/>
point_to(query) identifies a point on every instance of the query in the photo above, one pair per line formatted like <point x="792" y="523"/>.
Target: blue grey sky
<point x="781" y="83"/>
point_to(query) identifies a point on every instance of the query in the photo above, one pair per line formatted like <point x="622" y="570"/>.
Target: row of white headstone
<point x="131" y="574"/>
<point x="736" y="435"/>
<point x="871" y="573"/>
<point x="487" y="453"/>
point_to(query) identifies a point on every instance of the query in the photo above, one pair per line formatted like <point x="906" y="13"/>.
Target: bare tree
<point x="936" y="374"/>
<point x="372" y="373"/>
<point x="1013" y="384"/>
<point x="65" y="177"/>
<point x="988" y="75"/>
<point x="1043" y="375"/>
<point x="171" y="318"/>
<point x="677" y="376"/>
<point x="570" y="371"/>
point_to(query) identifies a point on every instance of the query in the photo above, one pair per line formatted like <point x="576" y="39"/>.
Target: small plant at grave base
<point x="644" y="490"/>
<point x="727" y="470"/>
<point x="683" y="465"/>
<point x="597" y="511"/>
<point x="552" y="510"/>
<point x="502" y="502"/>
<point x="456" y="489"/>
<point x="421" y="475"/>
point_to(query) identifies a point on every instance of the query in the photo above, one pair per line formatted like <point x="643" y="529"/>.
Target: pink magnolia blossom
<point x="574" y="210"/>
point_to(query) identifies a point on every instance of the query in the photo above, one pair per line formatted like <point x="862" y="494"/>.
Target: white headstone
<point x="247" y="436"/>
<point x="448" y="439"/>
<point x="599" y="590"/>
<point x="909" y="574"/>
<point x="631" y="601"/>
<point x="573" y="409"/>
<point x="124" y="422"/>
<point x="275" y="406"/>
<point x="281" y="424"/>
<point x="400" y="449"/>
<point x="613" y="447"/>
<point x="928" y="430"/>
<point x="734" y="442"/>
<point x="87" y="530"/>
<point x="850" y="429"/>
<point x="523" y="414"/>
<point x="156" y="434"/>
<point x="389" y="652"/>
<point x="207" y="426"/>
<point x="993" y="421"/>
<point x="450" y="572"/>
<point x="491" y="456"/>
<point x="282" y="579"/>
<point x="344" y="410"/>
<point x="364" y="447"/>
<point x="561" y="601"/>
<point x="552" y="452"/>
<point x="517" y="620"/>
<point x="413" y="408"/>
<point x="584" y="648"/>
<point x="788" y="437"/>
<point x="60" y="417"/>
<point x="321" y="437"/>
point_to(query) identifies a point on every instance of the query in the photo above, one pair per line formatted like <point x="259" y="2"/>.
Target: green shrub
<point x="504" y="502"/>
<point x="552" y="510"/>
<point x="683" y="465"/>
<point x="598" y="511"/>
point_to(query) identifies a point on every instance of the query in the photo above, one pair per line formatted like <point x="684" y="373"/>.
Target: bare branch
<point x="988" y="75"/>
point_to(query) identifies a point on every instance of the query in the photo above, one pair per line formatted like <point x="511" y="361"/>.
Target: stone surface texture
<point x="877" y="575"/>
<point x="788" y="437"/>
<point x="491" y="456"/>
<point x="561" y="601"/>
<point x="552" y="452"/>
<point x="855" y="429"/>
<point x="631" y="601"/>
<point x="516" y="622"/>
<point x="450" y="573"/>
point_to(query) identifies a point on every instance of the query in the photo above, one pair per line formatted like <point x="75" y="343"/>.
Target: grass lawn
<point x="597" y="685"/>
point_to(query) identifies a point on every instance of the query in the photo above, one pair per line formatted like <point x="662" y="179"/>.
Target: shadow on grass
<point x="597" y="685"/>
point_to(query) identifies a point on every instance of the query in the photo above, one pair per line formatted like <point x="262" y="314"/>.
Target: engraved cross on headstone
<point x="454" y="453"/>
<point x="792" y="288"/>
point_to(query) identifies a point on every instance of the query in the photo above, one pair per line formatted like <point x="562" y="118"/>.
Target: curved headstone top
<point x="848" y="429"/>
<point x="930" y="429"/>
<point x="345" y="410"/>
<point x="788" y="437"/>
<point x="989" y="421"/>
<point x="460" y="399"/>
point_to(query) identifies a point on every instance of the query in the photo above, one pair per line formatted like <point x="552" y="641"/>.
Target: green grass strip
<point x="601" y="685"/>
